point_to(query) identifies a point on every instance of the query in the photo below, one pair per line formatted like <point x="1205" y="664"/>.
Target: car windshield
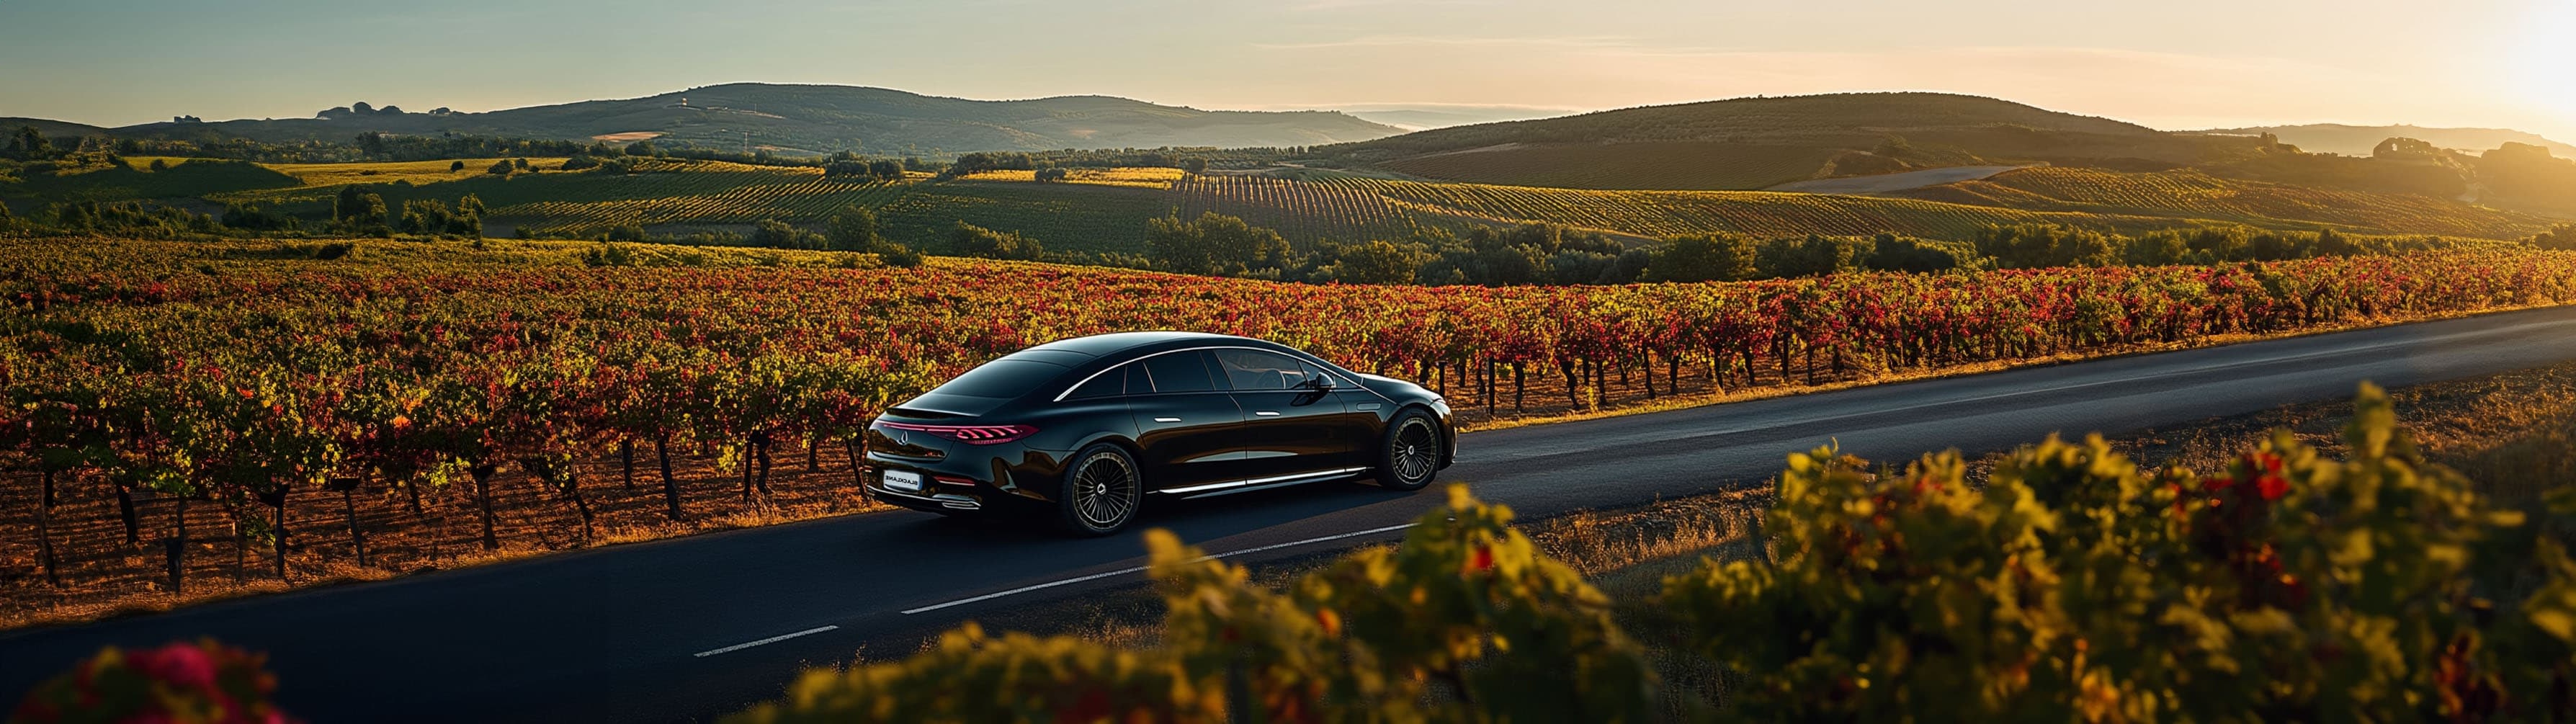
<point x="1002" y="378"/>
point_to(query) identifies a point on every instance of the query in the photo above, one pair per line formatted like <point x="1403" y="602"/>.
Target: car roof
<point x="1115" y="342"/>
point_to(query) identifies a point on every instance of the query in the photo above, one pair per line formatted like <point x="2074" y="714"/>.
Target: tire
<point x="1102" y="490"/>
<point x="1409" y="455"/>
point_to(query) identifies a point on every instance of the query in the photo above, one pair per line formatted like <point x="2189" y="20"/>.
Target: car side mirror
<point x="1318" y="383"/>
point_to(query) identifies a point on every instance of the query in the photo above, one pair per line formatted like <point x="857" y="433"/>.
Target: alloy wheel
<point x="1417" y="452"/>
<point x="1104" y="491"/>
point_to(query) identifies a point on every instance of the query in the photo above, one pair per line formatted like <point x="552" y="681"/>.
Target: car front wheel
<point x="1410" y="455"/>
<point x="1102" y="490"/>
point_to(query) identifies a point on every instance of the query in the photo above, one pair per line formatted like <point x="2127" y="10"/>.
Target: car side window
<point x="1314" y="373"/>
<point x="1109" y="383"/>
<point x="1138" y="382"/>
<point x="1252" y="370"/>
<point x="1179" y="372"/>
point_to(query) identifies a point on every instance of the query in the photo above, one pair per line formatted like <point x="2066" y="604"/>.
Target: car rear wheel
<point x="1101" y="491"/>
<point x="1410" y="456"/>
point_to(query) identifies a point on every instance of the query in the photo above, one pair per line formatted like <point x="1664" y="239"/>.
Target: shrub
<point x="1212" y="244"/>
<point x="1703" y="258"/>
<point x="2558" y="238"/>
<point x="427" y="216"/>
<point x="2047" y="245"/>
<point x="852" y="228"/>
<point x="895" y="254"/>
<point x="777" y="234"/>
<point x="1890" y="252"/>
<point x="1463" y="622"/>
<point x="180" y="682"/>
<point x="608" y="254"/>
<point x="2074" y="585"/>
<point x="1813" y="255"/>
<point x="1380" y="262"/>
<point x="976" y="241"/>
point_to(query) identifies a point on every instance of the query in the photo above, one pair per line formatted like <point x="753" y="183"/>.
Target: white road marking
<point x="1137" y="569"/>
<point x="770" y="640"/>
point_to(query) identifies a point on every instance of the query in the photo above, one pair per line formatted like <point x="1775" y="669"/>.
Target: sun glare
<point x="2544" y="68"/>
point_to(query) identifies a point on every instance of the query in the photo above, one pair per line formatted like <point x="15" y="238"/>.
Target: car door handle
<point x="1266" y="413"/>
<point x="1167" y="419"/>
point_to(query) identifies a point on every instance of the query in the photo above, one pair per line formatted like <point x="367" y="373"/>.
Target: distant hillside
<point x="828" y="118"/>
<point x="1750" y="143"/>
<point x="1415" y="119"/>
<point x="2359" y="140"/>
<point x="51" y="128"/>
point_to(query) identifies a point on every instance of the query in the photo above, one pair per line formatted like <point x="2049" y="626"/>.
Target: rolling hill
<point x="2193" y="194"/>
<point x="1752" y="143"/>
<point x="52" y="128"/>
<point x="2359" y="140"/>
<point x="827" y="118"/>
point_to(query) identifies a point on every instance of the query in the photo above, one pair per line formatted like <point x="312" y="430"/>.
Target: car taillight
<point x="969" y="434"/>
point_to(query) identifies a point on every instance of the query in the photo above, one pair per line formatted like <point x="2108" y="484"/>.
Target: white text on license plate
<point x="909" y="482"/>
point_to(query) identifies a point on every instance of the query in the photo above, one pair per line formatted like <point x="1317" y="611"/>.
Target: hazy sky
<point x="2168" y="63"/>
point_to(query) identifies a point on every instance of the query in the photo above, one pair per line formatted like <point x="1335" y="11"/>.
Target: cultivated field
<point x="2194" y="194"/>
<point x="269" y="379"/>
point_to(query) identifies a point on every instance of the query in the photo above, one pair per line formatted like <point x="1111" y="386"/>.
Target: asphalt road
<point x="658" y="631"/>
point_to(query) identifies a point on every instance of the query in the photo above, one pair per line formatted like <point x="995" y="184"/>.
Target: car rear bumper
<point x="956" y="485"/>
<point x="928" y="500"/>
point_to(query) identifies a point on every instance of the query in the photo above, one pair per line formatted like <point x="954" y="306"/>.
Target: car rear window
<point x="1109" y="383"/>
<point x="1002" y="378"/>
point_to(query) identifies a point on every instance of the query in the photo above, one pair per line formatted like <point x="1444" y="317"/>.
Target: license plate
<point x="909" y="482"/>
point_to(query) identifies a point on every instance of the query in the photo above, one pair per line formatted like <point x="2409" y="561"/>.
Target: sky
<point x="2174" y="64"/>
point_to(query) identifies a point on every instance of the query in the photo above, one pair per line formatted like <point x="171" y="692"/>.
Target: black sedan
<point x="1084" y="430"/>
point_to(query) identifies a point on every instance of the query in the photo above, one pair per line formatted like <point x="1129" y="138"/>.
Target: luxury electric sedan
<point x="1086" y="430"/>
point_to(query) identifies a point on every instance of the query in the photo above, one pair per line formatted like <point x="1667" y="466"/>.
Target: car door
<point x="1290" y="426"/>
<point x="1186" y="422"/>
